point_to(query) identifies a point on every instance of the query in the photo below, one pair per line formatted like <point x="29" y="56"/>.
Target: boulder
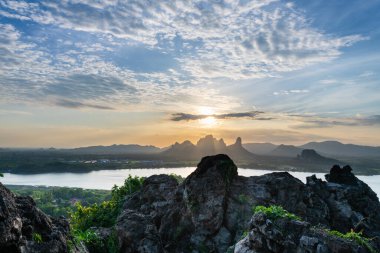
<point x="25" y="228"/>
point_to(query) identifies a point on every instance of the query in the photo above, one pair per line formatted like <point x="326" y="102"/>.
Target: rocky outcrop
<point x="287" y="235"/>
<point x="211" y="209"/>
<point x="25" y="228"/>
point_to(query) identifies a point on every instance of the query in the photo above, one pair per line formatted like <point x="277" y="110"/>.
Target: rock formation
<point x="205" y="147"/>
<point x="211" y="209"/>
<point x="25" y="228"/>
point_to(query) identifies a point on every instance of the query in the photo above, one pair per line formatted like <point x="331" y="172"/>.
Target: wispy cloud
<point x="235" y="115"/>
<point x="77" y="105"/>
<point x="317" y="122"/>
<point x="288" y="92"/>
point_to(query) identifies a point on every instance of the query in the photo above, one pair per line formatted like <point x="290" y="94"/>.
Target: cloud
<point x="77" y="105"/>
<point x="309" y="123"/>
<point x="88" y="86"/>
<point x="288" y="92"/>
<point x="232" y="39"/>
<point x="236" y="115"/>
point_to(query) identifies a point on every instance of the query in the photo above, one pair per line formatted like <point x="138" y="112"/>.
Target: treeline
<point x="58" y="201"/>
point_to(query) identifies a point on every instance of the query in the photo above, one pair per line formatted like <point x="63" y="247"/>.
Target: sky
<point x="101" y="72"/>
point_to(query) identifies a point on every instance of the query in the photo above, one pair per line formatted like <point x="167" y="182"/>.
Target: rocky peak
<point x="238" y="141"/>
<point x="342" y="175"/>
<point x="221" y="163"/>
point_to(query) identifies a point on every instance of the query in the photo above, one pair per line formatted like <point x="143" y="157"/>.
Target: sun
<point x="210" y="120"/>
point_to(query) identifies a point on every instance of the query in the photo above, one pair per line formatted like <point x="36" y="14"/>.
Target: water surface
<point x="105" y="179"/>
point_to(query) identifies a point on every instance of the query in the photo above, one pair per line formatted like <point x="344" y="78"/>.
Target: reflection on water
<point x="105" y="179"/>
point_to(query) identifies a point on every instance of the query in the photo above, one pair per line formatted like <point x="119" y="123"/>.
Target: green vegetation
<point x="353" y="236"/>
<point x="275" y="212"/>
<point x="96" y="244"/>
<point x="177" y="177"/>
<point x="37" y="237"/>
<point x="83" y="218"/>
<point x="57" y="201"/>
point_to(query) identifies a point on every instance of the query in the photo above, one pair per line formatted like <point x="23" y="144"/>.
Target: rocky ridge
<point x="211" y="209"/>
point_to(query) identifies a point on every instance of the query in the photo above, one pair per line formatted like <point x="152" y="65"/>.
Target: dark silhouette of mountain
<point x="286" y="151"/>
<point x="310" y="155"/>
<point x="205" y="147"/>
<point x="335" y="148"/>
<point x="260" y="148"/>
<point x="116" y="149"/>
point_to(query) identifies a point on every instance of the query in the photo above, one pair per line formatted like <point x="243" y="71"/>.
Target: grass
<point x="353" y="236"/>
<point x="275" y="212"/>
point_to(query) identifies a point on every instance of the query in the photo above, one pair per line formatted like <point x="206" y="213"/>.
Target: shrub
<point x="275" y="212"/>
<point x="177" y="177"/>
<point x="84" y="218"/>
<point x="37" y="237"/>
<point x="353" y="236"/>
<point x="104" y="214"/>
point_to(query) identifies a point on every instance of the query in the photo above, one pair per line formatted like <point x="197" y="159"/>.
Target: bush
<point x="83" y="219"/>
<point x="104" y="214"/>
<point x="178" y="178"/>
<point x="37" y="237"/>
<point x="275" y="212"/>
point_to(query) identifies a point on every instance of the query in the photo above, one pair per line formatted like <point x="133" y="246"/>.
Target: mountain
<point x="260" y="148"/>
<point x="207" y="146"/>
<point x="310" y="155"/>
<point x="116" y="149"/>
<point x="336" y="148"/>
<point x="286" y="151"/>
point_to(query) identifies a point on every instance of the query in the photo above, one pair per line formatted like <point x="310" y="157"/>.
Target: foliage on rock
<point x="275" y="212"/>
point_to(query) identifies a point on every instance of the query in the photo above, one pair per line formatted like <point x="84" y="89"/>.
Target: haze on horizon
<point x="80" y="73"/>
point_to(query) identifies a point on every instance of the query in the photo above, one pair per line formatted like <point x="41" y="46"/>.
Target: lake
<point x="105" y="179"/>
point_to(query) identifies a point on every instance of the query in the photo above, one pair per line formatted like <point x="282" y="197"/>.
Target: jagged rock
<point x="20" y="219"/>
<point x="341" y="175"/>
<point x="137" y="233"/>
<point x="287" y="235"/>
<point x="351" y="203"/>
<point x="212" y="208"/>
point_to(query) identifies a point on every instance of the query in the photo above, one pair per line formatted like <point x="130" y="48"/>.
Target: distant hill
<point x="336" y="148"/>
<point x="286" y="151"/>
<point x="116" y="149"/>
<point x="310" y="155"/>
<point x="205" y="147"/>
<point x="260" y="148"/>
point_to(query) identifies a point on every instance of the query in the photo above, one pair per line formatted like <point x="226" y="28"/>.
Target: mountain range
<point x="207" y="146"/>
<point x="210" y="145"/>
<point x="328" y="148"/>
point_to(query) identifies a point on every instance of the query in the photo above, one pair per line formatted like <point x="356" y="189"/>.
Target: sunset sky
<point x="81" y="72"/>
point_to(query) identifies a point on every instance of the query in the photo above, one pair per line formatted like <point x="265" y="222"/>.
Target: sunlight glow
<point x="208" y="122"/>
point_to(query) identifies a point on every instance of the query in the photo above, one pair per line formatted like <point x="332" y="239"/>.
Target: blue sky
<point x="76" y="73"/>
